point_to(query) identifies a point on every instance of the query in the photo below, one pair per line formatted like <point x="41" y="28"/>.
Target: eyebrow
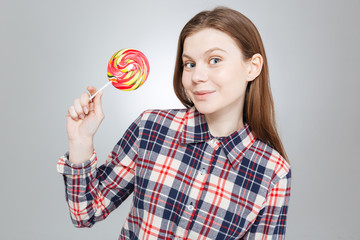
<point x="207" y="51"/>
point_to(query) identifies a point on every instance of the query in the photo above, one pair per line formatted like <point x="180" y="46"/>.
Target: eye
<point x="189" y="65"/>
<point x="214" y="60"/>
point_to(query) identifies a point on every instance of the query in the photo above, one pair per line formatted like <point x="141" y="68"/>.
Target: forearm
<point x="81" y="188"/>
<point x="80" y="205"/>
<point x="80" y="150"/>
<point x="87" y="191"/>
<point x="93" y="192"/>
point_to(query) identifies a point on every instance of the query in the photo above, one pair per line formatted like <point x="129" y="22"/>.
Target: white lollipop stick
<point x="100" y="90"/>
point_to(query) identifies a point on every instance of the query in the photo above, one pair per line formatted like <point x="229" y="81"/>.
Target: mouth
<point x="202" y="94"/>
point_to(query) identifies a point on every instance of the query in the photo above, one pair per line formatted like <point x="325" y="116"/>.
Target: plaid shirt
<point x="186" y="183"/>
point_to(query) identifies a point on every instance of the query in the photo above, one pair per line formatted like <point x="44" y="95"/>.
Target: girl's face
<point x="215" y="75"/>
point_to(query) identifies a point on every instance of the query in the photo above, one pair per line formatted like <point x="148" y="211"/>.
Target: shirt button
<point x="203" y="171"/>
<point x="191" y="207"/>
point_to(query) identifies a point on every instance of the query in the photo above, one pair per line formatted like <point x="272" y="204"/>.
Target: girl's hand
<point x="82" y="121"/>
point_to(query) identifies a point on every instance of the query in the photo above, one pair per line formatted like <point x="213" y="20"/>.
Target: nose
<point x="200" y="74"/>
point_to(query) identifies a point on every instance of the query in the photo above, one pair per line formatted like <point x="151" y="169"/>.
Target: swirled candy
<point x="128" y="69"/>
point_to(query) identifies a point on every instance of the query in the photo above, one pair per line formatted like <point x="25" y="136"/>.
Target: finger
<point x="78" y="108"/>
<point x="98" y="105"/>
<point x="92" y="90"/>
<point x="84" y="101"/>
<point x="72" y="113"/>
<point x="91" y="106"/>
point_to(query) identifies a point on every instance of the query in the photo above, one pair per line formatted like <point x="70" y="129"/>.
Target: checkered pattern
<point x="186" y="184"/>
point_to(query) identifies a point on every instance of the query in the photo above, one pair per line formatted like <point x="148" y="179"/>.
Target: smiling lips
<point x="203" y="94"/>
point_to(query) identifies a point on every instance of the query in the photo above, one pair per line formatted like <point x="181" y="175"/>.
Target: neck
<point x="224" y="124"/>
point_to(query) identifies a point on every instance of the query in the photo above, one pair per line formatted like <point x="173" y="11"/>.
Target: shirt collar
<point x="236" y="145"/>
<point x="196" y="130"/>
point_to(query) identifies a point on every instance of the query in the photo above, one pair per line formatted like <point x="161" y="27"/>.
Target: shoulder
<point x="162" y="120"/>
<point x="163" y="115"/>
<point x="270" y="159"/>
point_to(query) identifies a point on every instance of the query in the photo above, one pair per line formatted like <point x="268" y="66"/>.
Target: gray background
<point x="50" y="51"/>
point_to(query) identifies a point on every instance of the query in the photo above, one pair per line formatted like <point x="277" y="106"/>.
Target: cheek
<point x="240" y="75"/>
<point x="230" y="81"/>
<point x="185" y="81"/>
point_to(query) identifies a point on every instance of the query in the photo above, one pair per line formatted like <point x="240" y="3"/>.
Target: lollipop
<point x="127" y="70"/>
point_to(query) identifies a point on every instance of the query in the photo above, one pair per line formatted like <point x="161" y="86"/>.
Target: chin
<point x="205" y="108"/>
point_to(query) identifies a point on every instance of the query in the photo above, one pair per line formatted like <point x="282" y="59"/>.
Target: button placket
<point x="196" y="190"/>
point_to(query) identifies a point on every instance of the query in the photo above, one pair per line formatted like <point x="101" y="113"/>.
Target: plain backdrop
<point x="50" y="51"/>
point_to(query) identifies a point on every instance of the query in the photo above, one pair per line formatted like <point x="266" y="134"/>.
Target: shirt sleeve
<point x="93" y="192"/>
<point x="271" y="221"/>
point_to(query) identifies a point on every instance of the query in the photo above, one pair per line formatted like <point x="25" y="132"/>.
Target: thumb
<point x="98" y="104"/>
<point x="92" y="90"/>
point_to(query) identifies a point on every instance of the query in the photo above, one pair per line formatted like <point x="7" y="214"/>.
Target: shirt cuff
<point x="65" y="167"/>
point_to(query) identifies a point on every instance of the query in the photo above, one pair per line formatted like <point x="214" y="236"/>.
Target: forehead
<point x="209" y="38"/>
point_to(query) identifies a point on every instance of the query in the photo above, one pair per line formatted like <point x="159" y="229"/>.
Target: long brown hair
<point x="258" y="110"/>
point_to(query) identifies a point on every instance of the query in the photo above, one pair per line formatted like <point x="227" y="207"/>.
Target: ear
<point x="254" y="66"/>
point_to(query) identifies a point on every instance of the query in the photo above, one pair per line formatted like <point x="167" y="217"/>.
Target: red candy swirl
<point x="128" y="69"/>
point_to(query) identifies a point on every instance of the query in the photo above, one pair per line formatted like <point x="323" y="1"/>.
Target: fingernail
<point x="81" y="116"/>
<point x="86" y="110"/>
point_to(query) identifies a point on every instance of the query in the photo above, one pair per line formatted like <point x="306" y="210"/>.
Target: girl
<point x="215" y="170"/>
